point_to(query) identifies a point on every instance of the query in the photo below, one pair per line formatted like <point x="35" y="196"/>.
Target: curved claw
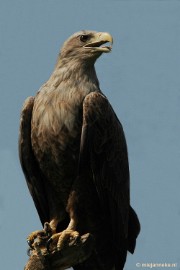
<point x="74" y="240"/>
<point x="29" y="251"/>
<point x="47" y="229"/>
<point x="48" y="244"/>
<point x="30" y="243"/>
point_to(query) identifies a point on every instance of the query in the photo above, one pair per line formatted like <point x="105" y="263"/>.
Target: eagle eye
<point x="84" y="38"/>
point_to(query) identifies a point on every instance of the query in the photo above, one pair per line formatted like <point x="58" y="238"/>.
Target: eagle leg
<point x="69" y="235"/>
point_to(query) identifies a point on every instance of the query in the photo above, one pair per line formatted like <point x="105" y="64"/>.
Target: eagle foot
<point x="39" y="238"/>
<point x="66" y="237"/>
<point x="63" y="259"/>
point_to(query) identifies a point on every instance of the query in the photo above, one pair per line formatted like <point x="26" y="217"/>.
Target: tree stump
<point x="71" y="254"/>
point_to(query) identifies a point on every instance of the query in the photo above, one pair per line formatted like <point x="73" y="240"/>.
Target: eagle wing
<point x="29" y="164"/>
<point x="103" y="148"/>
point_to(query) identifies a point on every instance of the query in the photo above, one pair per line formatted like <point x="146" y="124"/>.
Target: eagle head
<point x="86" y="46"/>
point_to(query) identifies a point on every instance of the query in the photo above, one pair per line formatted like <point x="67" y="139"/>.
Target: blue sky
<point x="141" y="79"/>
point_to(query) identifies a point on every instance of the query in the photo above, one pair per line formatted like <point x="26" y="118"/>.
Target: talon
<point x="30" y="243"/>
<point x="74" y="240"/>
<point x="48" y="244"/>
<point x="47" y="229"/>
<point x="29" y="250"/>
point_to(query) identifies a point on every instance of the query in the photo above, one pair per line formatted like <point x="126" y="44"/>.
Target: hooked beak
<point x="98" y="40"/>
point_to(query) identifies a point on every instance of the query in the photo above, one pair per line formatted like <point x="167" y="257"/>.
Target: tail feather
<point x="133" y="230"/>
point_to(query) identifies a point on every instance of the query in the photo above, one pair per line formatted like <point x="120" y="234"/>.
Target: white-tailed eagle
<point x="74" y="156"/>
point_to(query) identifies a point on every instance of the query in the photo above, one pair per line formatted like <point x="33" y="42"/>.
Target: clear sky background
<point x="141" y="78"/>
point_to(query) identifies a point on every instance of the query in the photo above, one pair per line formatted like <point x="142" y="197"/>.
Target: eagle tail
<point x="133" y="230"/>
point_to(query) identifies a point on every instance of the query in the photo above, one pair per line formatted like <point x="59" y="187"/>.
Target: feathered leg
<point x="70" y="232"/>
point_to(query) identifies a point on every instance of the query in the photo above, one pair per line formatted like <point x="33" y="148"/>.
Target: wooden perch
<point x="71" y="254"/>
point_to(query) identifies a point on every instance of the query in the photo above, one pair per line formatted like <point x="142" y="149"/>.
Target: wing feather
<point x="103" y="143"/>
<point x="29" y="165"/>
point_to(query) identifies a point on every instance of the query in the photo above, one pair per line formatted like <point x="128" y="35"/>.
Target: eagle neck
<point x="75" y="73"/>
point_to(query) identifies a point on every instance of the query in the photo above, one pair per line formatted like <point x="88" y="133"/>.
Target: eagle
<point x="73" y="153"/>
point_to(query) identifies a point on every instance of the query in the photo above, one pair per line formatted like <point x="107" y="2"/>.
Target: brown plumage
<point x="74" y="156"/>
